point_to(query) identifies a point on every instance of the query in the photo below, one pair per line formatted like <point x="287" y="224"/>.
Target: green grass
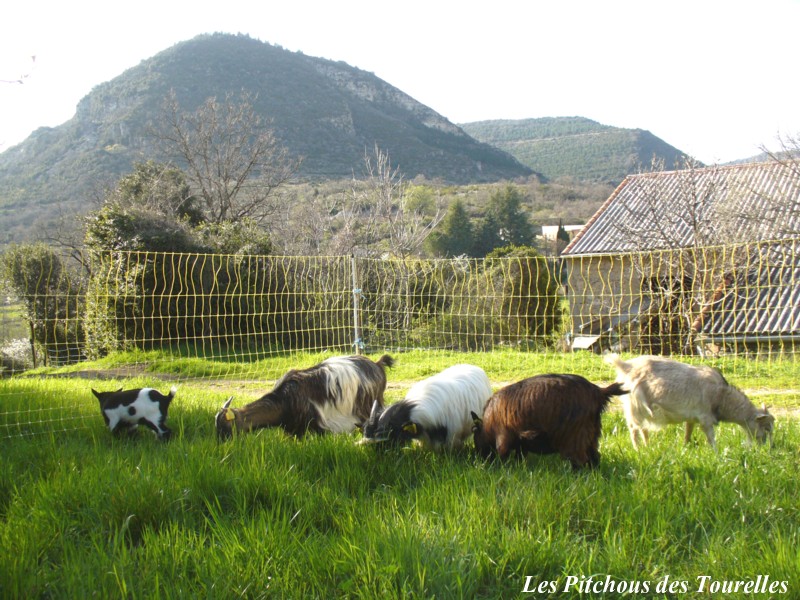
<point x="83" y="513"/>
<point x="12" y="324"/>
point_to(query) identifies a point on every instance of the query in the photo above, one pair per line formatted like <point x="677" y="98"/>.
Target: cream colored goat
<point x="665" y="391"/>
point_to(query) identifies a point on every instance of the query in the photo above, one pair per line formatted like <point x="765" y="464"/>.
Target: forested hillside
<point x="575" y="147"/>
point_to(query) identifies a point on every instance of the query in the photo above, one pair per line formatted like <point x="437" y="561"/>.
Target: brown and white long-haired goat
<point x="665" y="391"/>
<point x="334" y="396"/>
<point x="545" y="414"/>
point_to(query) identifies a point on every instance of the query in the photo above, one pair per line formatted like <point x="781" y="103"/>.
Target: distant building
<point x="550" y="244"/>
<point x="549" y="232"/>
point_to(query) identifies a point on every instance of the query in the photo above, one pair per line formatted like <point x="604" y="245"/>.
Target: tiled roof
<point x="764" y="300"/>
<point x="709" y="206"/>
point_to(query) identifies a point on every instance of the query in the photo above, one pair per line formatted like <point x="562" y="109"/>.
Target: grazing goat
<point x="436" y="410"/>
<point x="545" y="414"/>
<point x="664" y="391"/>
<point x="333" y="396"/>
<point x="130" y="408"/>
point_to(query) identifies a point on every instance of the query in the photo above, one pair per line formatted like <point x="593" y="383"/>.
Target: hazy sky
<point x="715" y="78"/>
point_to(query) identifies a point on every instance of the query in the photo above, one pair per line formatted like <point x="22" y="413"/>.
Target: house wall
<point x="659" y="293"/>
<point x="600" y="290"/>
<point x="682" y="300"/>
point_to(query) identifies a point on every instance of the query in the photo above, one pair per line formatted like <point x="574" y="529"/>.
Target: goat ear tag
<point x="410" y="428"/>
<point x="230" y="415"/>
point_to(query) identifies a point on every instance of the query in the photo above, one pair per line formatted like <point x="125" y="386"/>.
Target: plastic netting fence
<point x="239" y="311"/>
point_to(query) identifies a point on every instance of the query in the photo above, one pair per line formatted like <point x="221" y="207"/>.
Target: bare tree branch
<point x="233" y="160"/>
<point x="783" y="205"/>
<point x="385" y="195"/>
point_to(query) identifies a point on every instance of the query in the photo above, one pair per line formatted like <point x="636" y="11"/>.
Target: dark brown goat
<point x="545" y="414"/>
<point x="335" y="395"/>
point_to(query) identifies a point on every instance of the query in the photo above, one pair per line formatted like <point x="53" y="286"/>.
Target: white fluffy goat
<point x="436" y="411"/>
<point x="664" y="391"/>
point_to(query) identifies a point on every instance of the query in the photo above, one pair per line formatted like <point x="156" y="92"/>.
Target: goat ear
<point x="229" y="413"/>
<point x="117" y="390"/>
<point x="96" y="393"/>
<point x="477" y="422"/>
<point x="410" y="428"/>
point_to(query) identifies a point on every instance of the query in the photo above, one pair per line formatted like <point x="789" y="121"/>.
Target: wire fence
<point x="237" y="312"/>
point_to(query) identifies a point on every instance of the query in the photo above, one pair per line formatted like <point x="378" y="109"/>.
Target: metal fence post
<point x="357" y="343"/>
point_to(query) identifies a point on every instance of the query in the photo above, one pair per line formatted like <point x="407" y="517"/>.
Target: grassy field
<point x="12" y="325"/>
<point x="83" y="514"/>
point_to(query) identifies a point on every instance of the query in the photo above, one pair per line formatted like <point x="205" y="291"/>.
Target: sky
<point x="717" y="79"/>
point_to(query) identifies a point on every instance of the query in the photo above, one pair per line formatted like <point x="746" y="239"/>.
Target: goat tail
<point x="615" y="361"/>
<point x="615" y="389"/>
<point x="172" y="391"/>
<point x="385" y="361"/>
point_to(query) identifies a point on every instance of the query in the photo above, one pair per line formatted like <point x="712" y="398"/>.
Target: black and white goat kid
<point x="125" y="410"/>
<point x="436" y="411"/>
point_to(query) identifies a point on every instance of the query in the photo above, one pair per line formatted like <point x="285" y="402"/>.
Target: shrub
<point x="52" y="296"/>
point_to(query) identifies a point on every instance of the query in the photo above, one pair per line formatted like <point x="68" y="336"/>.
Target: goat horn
<point x="375" y="409"/>
<point x="230" y="415"/>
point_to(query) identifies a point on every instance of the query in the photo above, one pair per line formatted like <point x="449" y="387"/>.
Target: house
<point x="549" y="242"/>
<point x="690" y="260"/>
<point x="550" y="232"/>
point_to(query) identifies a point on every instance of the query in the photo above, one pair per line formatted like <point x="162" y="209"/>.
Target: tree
<point x="150" y="209"/>
<point x="512" y="223"/>
<point x="381" y="213"/>
<point x="510" y="298"/>
<point x="157" y="274"/>
<point x="785" y="201"/>
<point x="403" y="219"/>
<point x="52" y="297"/>
<point x="529" y="303"/>
<point x="158" y="188"/>
<point x="422" y="199"/>
<point x="505" y="222"/>
<point x="237" y="237"/>
<point x="234" y="162"/>
<point x="455" y="235"/>
<point x="382" y="216"/>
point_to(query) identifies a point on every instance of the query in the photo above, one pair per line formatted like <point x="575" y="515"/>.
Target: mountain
<point x="328" y="112"/>
<point x="575" y="147"/>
